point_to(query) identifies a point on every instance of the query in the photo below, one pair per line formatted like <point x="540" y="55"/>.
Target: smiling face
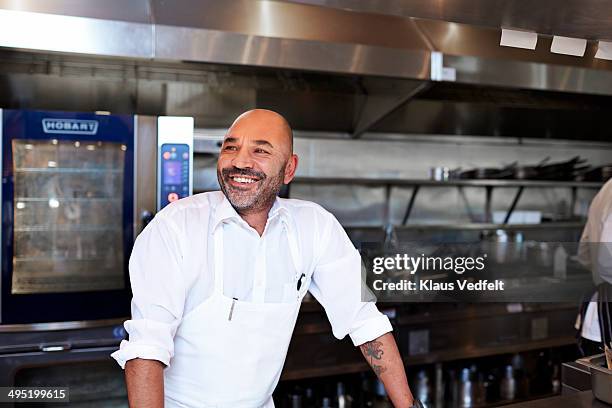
<point x="255" y="160"/>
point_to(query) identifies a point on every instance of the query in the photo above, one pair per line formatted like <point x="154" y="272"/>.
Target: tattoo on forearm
<point x="373" y="352"/>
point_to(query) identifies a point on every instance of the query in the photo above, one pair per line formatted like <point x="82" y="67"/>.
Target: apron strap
<point x="218" y="254"/>
<point x="605" y="320"/>
<point x="294" y="249"/>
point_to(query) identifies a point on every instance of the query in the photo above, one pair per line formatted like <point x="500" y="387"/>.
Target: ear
<point x="290" y="168"/>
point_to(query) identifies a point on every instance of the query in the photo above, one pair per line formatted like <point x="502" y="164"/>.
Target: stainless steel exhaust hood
<point x="301" y="35"/>
<point x="589" y="19"/>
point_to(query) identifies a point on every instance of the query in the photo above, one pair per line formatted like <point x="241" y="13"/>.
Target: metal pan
<point x="601" y="173"/>
<point x="601" y="377"/>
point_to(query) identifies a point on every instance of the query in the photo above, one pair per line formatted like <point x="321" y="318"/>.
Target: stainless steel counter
<point x="583" y="399"/>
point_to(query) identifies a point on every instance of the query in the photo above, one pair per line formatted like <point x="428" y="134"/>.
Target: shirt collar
<point x="225" y="211"/>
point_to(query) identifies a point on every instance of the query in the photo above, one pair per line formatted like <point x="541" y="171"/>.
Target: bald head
<point x="256" y="159"/>
<point x="267" y="124"/>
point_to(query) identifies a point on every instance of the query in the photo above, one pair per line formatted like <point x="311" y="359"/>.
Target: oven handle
<point x="55" y="347"/>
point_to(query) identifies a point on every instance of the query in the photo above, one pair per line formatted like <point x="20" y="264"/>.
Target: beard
<point x="247" y="200"/>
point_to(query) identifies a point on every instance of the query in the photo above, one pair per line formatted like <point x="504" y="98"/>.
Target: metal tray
<point x="601" y="377"/>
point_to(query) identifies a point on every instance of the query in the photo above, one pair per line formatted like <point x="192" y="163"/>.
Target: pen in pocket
<point x="231" y="312"/>
<point x="299" y="282"/>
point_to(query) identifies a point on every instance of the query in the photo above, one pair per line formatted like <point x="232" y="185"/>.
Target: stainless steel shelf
<point x="489" y="184"/>
<point x="448" y="183"/>
<point x="473" y="226"/>
<point x="417" y="184"/>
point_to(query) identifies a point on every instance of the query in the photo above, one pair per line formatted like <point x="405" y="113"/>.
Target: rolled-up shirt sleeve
<point x="337" y="285"/>
<point x="158" y="293"/>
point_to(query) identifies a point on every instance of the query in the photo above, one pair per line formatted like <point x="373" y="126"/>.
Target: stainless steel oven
<point x="76" y="190"/>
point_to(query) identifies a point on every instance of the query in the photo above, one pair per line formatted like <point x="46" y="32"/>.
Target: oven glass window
<point x="68" y="216"/>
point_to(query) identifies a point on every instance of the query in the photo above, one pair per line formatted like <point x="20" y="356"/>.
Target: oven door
<point x="67" y="215"/>
<point x="92" y="377"/>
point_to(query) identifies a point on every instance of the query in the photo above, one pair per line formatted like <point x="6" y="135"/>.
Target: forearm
<point x="145" y="383"/>
<point x="384" y="358"/>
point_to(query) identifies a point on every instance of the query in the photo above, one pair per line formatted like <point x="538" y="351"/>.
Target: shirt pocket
<point x="290" y="292"/>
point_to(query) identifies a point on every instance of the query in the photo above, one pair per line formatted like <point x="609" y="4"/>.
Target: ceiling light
<point x="604" y="50"/>
<point x="518" y="39"/>
<point x="568" y="46"/>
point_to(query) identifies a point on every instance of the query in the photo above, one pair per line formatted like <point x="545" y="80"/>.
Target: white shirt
<point x="171" y="269"/>
<point x="598" y="257"/>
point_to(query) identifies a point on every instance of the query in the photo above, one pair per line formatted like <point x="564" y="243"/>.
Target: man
<point x="595" y="252"/>
<point x="218" y="279"/>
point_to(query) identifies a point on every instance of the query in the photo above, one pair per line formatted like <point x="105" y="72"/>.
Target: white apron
<point x="230" y="353"/>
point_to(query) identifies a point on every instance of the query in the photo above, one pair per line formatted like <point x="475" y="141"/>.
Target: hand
<point x="416" y="404"/>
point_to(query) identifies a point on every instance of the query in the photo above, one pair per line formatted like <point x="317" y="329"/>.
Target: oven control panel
<point x="174" y="160"/>
<point x="175" y="172"/>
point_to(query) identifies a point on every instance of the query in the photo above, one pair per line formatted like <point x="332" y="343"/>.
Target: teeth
<point x="243" y="180"/>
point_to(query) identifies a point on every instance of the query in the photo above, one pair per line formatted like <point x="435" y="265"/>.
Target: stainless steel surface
<point x="529" y="75"/>
<point x="310" y="19"/>
<point x="273" y="19"/>
<point x="215" y="95"/>
<point x="478" y="41"/>
<point x="591" y="19"/>
<point x="60" y="33"/>
<point x="377" y="107"/>
<point x="478" y="226"/>
<point x="273" y="34"/>
<point x="583" y="399"/>
<point x="458" y="333"/>
<point x="474" y="114"/>
<point x="393" y="157"/>
<point x="180" y="43"/>
<point x="601" y="377"/>
<point x="575" y="377"/>
<point x="43" y="327"/>
<point x="307" y="37"/>
<point x="145" y="160"/>
<point x="448" y="183"/>
<point x="137" y="11"/>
